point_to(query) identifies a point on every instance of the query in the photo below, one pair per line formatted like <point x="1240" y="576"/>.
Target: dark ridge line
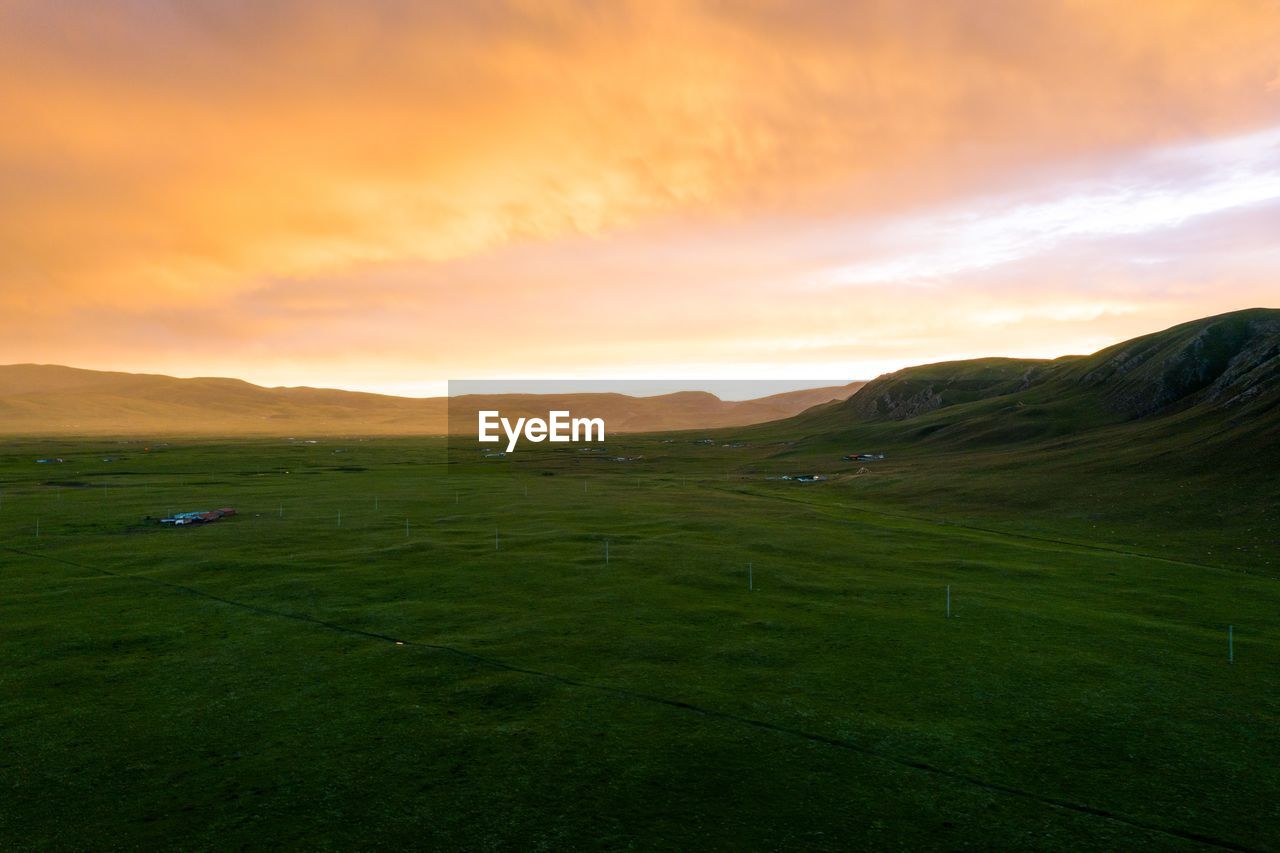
<point x="763" y="725"/>
<point x="1084" y="546"/>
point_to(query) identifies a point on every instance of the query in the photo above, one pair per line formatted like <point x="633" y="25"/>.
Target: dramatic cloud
<point x="1157" y="192"/>
<point x="386" y="194"/>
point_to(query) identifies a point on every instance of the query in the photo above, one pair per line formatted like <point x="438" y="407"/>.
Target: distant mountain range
<point x="1221" y="374"/>
<point x="38" y="400"/>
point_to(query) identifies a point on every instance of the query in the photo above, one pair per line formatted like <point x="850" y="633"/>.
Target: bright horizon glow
<point x="385" y="196"/>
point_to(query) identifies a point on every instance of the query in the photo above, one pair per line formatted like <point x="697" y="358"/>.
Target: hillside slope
<point x="1231" y="361"/>
<point x="1166" y="444"/>
<point x="1208" y="377"/>
<point x="919" y="390"/>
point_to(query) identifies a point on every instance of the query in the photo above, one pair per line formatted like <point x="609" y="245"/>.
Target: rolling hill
<point x="1206" y="379"/>
<point x="1215" y="376"/>
<point x="1176" y="431"/>
<point x="55" y="400"/>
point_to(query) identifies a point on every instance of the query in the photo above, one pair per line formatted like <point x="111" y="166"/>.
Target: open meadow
<point x="558" y="649"/>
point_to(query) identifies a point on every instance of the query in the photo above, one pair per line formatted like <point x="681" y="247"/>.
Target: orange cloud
<point x="168" y="157"/>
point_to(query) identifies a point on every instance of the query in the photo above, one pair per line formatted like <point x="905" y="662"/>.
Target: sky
<point x="388" y="195"/>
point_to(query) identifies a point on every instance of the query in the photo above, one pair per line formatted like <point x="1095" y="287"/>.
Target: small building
<point x="184" y="519"/>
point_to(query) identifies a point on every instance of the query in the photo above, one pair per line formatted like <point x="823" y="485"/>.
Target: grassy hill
<point x="1205" y="379"/>
<point x="1176" y="431"/>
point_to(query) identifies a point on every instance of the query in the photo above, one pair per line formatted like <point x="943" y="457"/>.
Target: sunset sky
<point x="388" y="195"/>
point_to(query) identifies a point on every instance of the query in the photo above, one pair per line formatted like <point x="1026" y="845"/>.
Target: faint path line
<point x="942" y="522"/>
<point x="827" y="740"/>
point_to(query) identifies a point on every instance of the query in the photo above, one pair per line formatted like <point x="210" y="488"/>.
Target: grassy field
<point x="385" y="651"/>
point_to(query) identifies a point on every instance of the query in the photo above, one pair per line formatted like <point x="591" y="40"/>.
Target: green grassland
<point x="481" y="679"/>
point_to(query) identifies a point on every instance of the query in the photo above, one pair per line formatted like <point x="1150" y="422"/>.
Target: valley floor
<point x="385" y="651"/>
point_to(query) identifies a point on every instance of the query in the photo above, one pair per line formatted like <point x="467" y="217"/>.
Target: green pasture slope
<point x="242" y="684"/>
